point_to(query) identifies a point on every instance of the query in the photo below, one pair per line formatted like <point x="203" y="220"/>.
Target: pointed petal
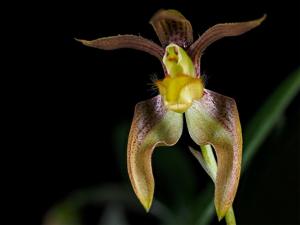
<point x="214" y="120"/>
<point x="172" y="27"/>
<point x="126" y="41"/>
<point x="218" y="32"/>
<point x="152" y="126"/>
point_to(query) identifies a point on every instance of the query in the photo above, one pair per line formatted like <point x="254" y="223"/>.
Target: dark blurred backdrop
<point x="72" y="107"/>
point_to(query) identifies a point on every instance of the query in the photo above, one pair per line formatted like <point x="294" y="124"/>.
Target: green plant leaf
<point x="268" y="115"/>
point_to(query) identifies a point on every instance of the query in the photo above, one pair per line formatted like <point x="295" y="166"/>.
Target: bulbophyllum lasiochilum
<point x="211" y="117"/>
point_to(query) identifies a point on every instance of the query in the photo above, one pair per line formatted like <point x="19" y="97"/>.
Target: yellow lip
<point x="179" y="92"/>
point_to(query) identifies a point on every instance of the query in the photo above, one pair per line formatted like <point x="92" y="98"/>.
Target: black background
<point x="65" y="100"/>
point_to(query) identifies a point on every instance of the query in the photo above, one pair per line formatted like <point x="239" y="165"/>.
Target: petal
<point x="216" y="33"/>
<point x="126" y="41"/>
<point x="172" y="27"/>
<point x="152" y="126"/>
<point x="179" y="92"/>
<point x="214" y="120"/>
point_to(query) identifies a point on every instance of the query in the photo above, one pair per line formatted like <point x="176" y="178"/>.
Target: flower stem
<point x="211" y="165"/>
<point x="210" y="161"/>
<point x="229" y="217"/>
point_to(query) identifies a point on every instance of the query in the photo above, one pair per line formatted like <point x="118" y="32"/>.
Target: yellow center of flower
<point x="181" y="86"/>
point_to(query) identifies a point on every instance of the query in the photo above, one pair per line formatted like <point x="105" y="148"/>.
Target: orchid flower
<point x="211" y="118"/>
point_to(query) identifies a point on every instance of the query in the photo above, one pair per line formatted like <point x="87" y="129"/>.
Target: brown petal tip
<point x="258" y="21"/>
<point x="85" y="42"/>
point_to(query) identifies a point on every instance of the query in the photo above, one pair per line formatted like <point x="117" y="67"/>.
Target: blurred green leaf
<point x="257" y="131"/>
<point x="63" y="213"/>
<point x="68" y="211"/>
<point x="268" y="115"/>
<point x="113" y="215"/>
<point x="120" y="136"/>
<point x="117" y="199"/>
<point x="174" y="176"/>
